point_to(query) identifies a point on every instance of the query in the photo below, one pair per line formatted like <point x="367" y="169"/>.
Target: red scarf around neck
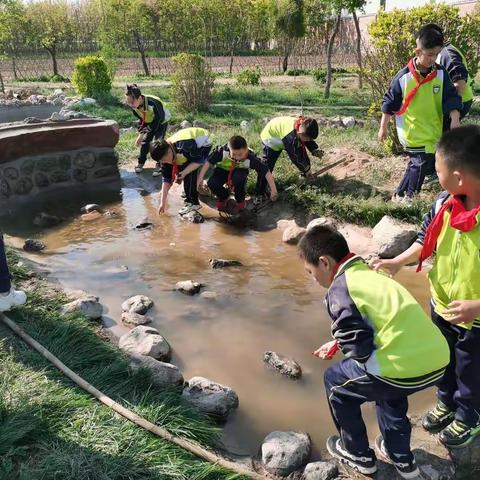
<point x="460" y="219"/>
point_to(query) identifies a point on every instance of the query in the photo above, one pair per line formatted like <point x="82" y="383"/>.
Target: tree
<point x="353" y="6"/>
<point x="50" y="25"/>
<point x="331" y="41"/>
<point x="289" y="26"/>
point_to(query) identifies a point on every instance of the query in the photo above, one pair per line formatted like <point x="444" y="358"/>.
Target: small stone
<point x="320" y="471"/>
<point x="188" y="287"/>
<point x="348" y="122"/>
<point x="88" y="306"/>
<point x="135" y="319"/>
<point x="220" y="263"/>
<point x="163" y="374"/>
<point x="211" y="398"/>
<point x="146" y="341"/>
<point x="31" y="245"/>
<point x="144" y="224"/>
<point x="293" y="234"/>
<point x="137" y="304"/>
<point x="44" y="220"/>
<point x="393" y="236"/>
<point x="245" y="124"/>
<point x="78" y="294"/>
<point x="209" y="295"/>
<point x="284" y="452"/>
<point x="91" y="207"/>
<point x="32" y="120"/>
<point x="93" y="215"/>
<point x="321" y="221"/>
<point x="286" y="366"/>
<point x="193" y="217"/>
<point x="172" y="244"/>
<point x="110" y="214"/>
<point x="185" y="124"/>
<point x="88" y="101"/>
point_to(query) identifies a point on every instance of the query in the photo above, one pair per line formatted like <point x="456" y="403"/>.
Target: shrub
<point x="249" y="76"/>
<point x="91" y="77"/>
<point x="192" y="82"/>
<point x="58" y="78"/>
<point x="319" y="75"/>
<point x="295" y="72"/>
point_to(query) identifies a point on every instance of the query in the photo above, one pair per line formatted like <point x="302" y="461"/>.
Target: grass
<point x="51" y="429"/>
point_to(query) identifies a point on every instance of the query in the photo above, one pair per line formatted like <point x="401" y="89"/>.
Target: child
<point x="153" y="122"/>
<point x="452" y="230"/>
<point x="180" y="156"/>
<point x="420" y="95"/>
<point x="9" y="297"/>
<point x="385" y="361"/>
<point x="232" y="162"/>
<point x="295" y="136"/>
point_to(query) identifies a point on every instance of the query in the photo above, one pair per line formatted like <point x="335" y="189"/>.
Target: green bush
<point x="91" y="77"/>
<point x="249" y="76"/>
<point x="319" y="75"/>
<point x="192" y="82"/>
<point x="58" y="78"/>
<point x="296" y="72"/>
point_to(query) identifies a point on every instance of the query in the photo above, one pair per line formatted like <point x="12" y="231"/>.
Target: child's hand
<point x="138" y="141"/>
<point x="382" y="134"/>
<point x="390" y="266"/>
<point x="179" y="178"/>
<point x="327" y="351"/>
<point x="161" y="209"/>
<point x="274" y="196"/>
<point x="462" y="311"/>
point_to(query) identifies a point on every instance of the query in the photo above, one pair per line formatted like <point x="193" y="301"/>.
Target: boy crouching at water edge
<point x="180" y="156"/>
<point x="452" y="230"/>
<point x="232" y="163"/>
<point x="376" y="323"/>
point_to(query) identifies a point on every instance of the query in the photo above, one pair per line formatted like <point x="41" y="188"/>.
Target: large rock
<point x="185" y="124"/>
<point x="146" y="341"/>
<point x="393" y="236"/>
<point x="88" y="306"/>
<point x="137" y="304"/>
<point x="320" y="471"/>
<point x="221" y="263"/>
<point x="293" y="234"/>
<point x="188" y="287"/>
<point x="284" y="224"/>
<point x="321" y="221"/>
<point x="32" y="245"/>
<point x="163" y="374"/>
<point x="134" y="319"/>
<point x="284" y="452"/>
<point x="286" y="366"/>
<point x="348" y="122"/>
<point x="211" y="398"/>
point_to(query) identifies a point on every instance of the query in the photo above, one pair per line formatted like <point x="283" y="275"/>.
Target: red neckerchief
<point x="175" y="166"/>
<point x="298" y="123"/>
<point x="347" y="257"/>
<point x="420" y="82"/>
<point x="460" y="219"/>
<point x="230" y="172"/>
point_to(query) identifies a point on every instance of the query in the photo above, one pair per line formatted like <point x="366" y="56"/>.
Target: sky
<point x="372" y="5"/>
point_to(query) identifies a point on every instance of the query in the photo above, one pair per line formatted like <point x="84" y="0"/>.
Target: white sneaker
<point x="189" y="207"/>
<point x="139" y="168"/>
<point x="12" y="299"/>
<point x="158" y="171"/>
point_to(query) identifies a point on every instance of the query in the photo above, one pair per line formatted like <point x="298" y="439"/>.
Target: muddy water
<point x="269" y="304"/>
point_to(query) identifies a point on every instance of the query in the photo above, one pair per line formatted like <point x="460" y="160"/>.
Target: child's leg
<point x="161" y="131"/>
<point x="239" y="179"/>
<point x="270" y="157"/>
<point x="144" y="147"/>
<point x="190" y="188"/>
<point x="216" y="183"/>
<point x="5" y="285"/>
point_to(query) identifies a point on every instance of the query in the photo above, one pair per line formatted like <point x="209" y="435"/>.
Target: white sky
<point x="372" y="5"/>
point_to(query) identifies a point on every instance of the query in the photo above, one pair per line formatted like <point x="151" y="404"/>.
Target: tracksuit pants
<point x="219" y="178"/>
<point x="5" y="277"/>
<point x="158" y="134"/>
<point x="418" y="166"/>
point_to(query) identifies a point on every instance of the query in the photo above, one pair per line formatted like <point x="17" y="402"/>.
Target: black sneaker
<point x="458" y="435"/>
<point x="438" y="418"/>
<point x="405" y="470"/>
<point x="365" y="465"/>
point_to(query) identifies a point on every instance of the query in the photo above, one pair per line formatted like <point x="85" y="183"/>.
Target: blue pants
<point x="5" y="284"/>
<point x="418" y="166"/>
<point x="459" y="388"/>
<point x="348" y="386"/>
<point x="219" y="178"/>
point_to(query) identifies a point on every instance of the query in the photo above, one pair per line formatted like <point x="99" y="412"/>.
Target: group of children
<point x="180" y="157"/>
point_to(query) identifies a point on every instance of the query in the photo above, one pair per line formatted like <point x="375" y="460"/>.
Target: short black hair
<point x="309" y="127"/>
<point x="430" y="36"/>
<point x="158" y="149"/>
<point x="133" y="90"/>
<point x="320" y="241"/>
<point x="460" y="149"/>
<point x="237" y="142"/>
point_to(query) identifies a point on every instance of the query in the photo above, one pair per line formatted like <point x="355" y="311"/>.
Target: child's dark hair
<point x="460" y="149"/>
<point x="237" y="142"/>
<point x="320" y="241"/>
<point x="133" y="90"/>
<point x="309" y="127"/>
<point x="430" y="36"/>
<point x="158" y="149"/>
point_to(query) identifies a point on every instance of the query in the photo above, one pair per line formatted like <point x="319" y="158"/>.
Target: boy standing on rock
<point x="451" y="230"/>
<point x="385" y="361"/>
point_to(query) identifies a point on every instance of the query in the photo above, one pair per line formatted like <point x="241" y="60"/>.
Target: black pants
<point x="418" y="166"/>
<point x="459" y="388"/>
<point x="219" y="178"/>
<point x="158" y="134"/>
<point x="190" y="185"/>
<point x="348" y="386"/>
<point x="463" y="113"/>
<point x="5" y="284"/>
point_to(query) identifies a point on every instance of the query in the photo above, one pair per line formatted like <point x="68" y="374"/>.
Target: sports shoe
<point x="189" y="207"/>
<point x="139" y="168"/>
<point x="158" y="170"/>
<point x="221" y="205"/>
<point x="430" y="179"/>
<point x="404" y="469"/>
<point x="12" y="299"/>
<point x="240" y="206"/>
<point x="438" y="418"/>
<point x="458" y="435"/>
<point x="367" y="465"/>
